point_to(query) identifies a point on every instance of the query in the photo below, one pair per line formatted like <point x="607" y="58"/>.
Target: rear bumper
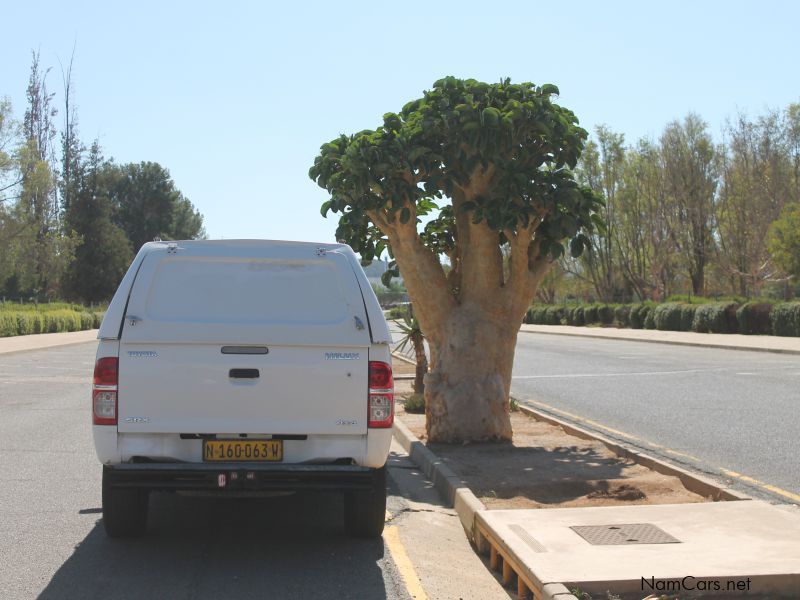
<point x="238" y="476"/>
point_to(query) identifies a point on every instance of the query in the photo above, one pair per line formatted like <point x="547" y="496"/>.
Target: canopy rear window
<point x="246" y="290"/>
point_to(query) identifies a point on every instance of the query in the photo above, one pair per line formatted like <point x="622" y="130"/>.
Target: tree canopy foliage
<point x="511" y="136"/>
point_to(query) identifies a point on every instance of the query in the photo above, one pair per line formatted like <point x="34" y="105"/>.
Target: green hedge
<point x="622" y="314"/>
<point x="637" y="316"/>
<point x="687" y="316"/>
<point x="716" y="317"/>
<point x="28" y="322"/>
<point x="667" y="317"/>
<point x="760" y="318"/>
<point x="754" y="318"/>
<point x="785" y="319"/>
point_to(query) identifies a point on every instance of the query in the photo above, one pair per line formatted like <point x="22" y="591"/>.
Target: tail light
<point x="381" y="395"/>
<point x="104" y="391"/>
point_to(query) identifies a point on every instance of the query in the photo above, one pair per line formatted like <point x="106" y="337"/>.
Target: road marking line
<point x="582" y="420"/>
<point x="683" y="454"/>
<point x="391" y="537"/>
<point x="578" y="375"/>
<point x="758" y="483"/>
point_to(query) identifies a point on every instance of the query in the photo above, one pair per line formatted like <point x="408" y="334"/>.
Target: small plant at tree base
<point x="412" y="334"/>
<point x="415" y="404"/>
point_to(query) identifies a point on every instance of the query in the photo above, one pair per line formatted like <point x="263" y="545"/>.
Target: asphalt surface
<point x="52" y="543"/>
<point x="707" y="409"/>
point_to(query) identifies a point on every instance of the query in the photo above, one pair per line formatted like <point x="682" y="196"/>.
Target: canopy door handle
<point x="243" y="374"/>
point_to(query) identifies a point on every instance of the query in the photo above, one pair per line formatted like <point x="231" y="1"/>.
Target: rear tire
<point x="124" y="510"/>
<point x="365" y="512"/>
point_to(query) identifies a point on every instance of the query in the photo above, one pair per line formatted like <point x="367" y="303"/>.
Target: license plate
<point x="242" y="450"/>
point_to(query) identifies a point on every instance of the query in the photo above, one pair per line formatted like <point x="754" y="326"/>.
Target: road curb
<point x="405" y="359"/>
<point x="43" y="341"/>
<point x="694" y="483"/>
<point x="450" y="487"/>
<point x="624" y="338"/>
<point x="458" y="496"/>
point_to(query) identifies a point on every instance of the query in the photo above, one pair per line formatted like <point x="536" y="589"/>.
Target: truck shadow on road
<point x="200" y="547"/>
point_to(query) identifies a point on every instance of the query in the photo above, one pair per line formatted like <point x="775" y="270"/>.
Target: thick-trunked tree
<point x="470" y="190"/>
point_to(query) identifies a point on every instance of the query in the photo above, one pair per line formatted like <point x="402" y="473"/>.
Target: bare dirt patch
<point x="545" y="467"/>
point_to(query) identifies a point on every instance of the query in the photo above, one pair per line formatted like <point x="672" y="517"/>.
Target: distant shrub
<point x="553" y="315"/>
<point x="536" y="315"/>
<point x="415" y="404"/>
<point x="637" y="316"/>
<point x="650" y="318"/>
<point x="8" y="324"/>
<point x="667" y="317"/>
<point x="48" y="320"/>
<point x="397" y="312"/>
<point x="25" y="323"/>
<point x="590" y="314"/>
<point x="605" y="314"/>
<point x="754" y="318"/>
<point x="40" y="307"/>
<point x="622" y="315"/>
<point x="687" y="316"/>
<point x="576" y="314"/>
<point x="785" y="319"/>
<point x="718" y="317"/>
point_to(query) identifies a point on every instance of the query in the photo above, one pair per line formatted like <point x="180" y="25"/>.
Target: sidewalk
<point x="729" y="341"/>
<point x="22" y="343"/>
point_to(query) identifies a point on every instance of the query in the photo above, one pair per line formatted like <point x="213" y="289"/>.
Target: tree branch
<point x="422" y="273"/>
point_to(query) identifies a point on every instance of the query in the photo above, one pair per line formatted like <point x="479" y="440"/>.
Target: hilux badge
<point x="142" y="354"/>
<point x="342" y="356"/>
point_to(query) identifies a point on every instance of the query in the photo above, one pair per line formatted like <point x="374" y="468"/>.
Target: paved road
<point x="725" y="409"/>
<point x="52" y="543"/>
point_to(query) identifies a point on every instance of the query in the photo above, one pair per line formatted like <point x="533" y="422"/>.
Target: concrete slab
<point x="23" y="343"/>
<point x="735" y="546"/>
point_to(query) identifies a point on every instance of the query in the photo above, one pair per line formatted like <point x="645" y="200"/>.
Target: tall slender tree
<point x="690" y="179"/>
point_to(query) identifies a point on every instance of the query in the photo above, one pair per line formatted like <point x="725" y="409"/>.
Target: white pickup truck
<point x="243" y="365"/>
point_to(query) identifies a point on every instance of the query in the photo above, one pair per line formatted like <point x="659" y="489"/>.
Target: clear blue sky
<point x="236" y="98"/>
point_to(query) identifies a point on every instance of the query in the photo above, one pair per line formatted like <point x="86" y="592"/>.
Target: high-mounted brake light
<point x="381" y="395"/>
<point x="104" y="391"/>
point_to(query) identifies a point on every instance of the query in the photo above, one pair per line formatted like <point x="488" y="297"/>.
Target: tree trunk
<point x="466" y="391"/>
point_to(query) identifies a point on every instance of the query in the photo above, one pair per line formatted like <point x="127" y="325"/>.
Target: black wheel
<point x="365" y="512"/>
<point x="124" y="510"/>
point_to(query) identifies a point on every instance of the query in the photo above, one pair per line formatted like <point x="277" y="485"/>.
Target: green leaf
<point x="326" y="206"/>
<point x="549" y="88"/>
<point x="491" y="116"/>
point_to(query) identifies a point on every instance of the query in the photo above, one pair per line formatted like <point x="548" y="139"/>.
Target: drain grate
<point x="635" y="533"/>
